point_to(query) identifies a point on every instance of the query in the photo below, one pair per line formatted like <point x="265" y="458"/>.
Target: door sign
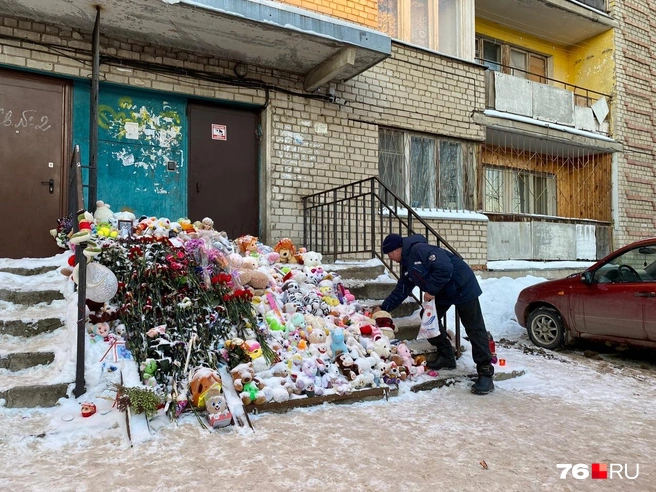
<point x="219" y="132"/>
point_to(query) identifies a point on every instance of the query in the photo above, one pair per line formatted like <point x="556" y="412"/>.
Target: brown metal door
<point x="32" y="147"/>
<point x="223" y="170"/>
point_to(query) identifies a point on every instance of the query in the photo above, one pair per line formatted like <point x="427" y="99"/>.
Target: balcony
<point x="553" y="102"/>
<point x="565" y="22"/>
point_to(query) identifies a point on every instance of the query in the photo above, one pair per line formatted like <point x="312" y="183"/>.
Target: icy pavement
<point x="565" y="409"/>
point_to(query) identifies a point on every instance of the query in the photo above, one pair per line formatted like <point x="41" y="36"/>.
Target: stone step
<point x="31" y="396"/>
<point x="23" y="360"/>
<point x="20" y="328"/>
<point x="30" y="297"/>
<point x="356" y="272"/>
<point x="27" y="272"/>
<point x="405" y="309"/>
<point x="407" y="331"/>
<point x="370" y="290"/>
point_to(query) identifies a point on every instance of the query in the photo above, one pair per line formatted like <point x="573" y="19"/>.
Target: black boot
<point x="485" y="383"/>
<point x="445" y="358"/>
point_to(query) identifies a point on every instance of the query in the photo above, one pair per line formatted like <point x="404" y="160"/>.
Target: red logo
<point x="600" y="471"/>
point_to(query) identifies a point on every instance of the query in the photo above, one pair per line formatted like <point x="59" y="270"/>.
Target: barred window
<point x="425" y="171"/>
<point x="515" y="191"/>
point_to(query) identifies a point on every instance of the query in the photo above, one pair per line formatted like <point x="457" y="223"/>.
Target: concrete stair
<point x="32" y="327"/>
<point x="370" y="285"/>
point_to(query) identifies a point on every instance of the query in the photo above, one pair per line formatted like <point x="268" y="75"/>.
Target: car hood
<point x="550" y="287"/>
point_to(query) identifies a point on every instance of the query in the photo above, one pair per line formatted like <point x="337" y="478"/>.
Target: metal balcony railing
<point x="582" y="96"/>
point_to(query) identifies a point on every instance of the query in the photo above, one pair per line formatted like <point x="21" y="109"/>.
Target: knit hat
<point x="392" y="242"/>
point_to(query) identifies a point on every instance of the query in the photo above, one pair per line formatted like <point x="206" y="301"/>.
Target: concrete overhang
<point x="565" y="22"/>
<point x="542" y="138"/>
<point x="261" y="33"/>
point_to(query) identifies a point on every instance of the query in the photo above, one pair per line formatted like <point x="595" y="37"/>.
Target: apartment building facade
<point x="237" y="109"/>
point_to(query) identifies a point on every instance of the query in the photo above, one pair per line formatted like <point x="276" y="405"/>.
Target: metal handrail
<point x="510" y="69"/>
<point x="353" y="219"/>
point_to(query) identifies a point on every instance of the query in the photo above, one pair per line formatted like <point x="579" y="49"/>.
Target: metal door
<point x="33" y="115"/>
<point x="223" y="168"/>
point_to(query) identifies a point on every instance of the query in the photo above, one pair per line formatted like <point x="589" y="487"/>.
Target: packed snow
<point x="560" y="408"/>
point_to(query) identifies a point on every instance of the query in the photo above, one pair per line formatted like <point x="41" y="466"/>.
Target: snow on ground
<point x="565" y="409"/>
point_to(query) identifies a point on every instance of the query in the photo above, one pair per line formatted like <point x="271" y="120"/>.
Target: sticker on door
<point x="219" y="132"/>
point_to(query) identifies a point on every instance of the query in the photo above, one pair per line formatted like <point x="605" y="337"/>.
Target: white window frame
<point x="436" y="199"/>
<point x="509" y="198"/>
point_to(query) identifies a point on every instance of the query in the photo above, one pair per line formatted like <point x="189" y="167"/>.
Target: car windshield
<point x="635" y="265"/>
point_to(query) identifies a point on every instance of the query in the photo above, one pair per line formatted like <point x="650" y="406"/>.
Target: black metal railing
<point x="352" y="220"/>
<point x="75" y="206"/>
<point x="583" y="96"/>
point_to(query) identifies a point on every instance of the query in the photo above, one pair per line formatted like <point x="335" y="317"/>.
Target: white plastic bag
<point x="430" y="324"/>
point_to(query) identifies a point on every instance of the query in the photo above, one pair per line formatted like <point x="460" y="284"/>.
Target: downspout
<point x="93" y="123"/>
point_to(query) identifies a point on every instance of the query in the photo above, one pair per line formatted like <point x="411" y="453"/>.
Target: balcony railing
<point x="545" y="98"/>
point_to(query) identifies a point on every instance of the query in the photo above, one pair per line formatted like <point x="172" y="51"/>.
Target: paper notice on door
<point x="219" y="132"/>
<point x="131" y="130"/>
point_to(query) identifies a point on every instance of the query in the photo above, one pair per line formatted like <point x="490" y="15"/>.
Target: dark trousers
<point x="471" y="318"/>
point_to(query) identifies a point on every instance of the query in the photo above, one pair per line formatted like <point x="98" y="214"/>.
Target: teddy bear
<point x="347" y="366"/>
<point x="250" y="275"/>
<point x="247" y="385"/>
<point x="218" y="414"/>
<point x="103" y="213"/>
<point x="337" y="344"/>
<point x="311" y="259"/>
<point x="287" y="251"/>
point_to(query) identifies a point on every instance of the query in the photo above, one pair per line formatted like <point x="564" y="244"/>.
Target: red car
<point x="614" y="301"/>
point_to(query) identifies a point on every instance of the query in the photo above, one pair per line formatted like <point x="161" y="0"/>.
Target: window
<point x="514" y="191"/>
<point x="425" y="171"/>
<point x="513" y="60"/>
<point x="440" y="25"/>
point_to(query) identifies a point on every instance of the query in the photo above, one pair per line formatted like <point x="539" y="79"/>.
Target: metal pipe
<point x="81" y="261"/>
<point x="93" y="123"/>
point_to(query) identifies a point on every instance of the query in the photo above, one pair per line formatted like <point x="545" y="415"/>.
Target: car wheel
<point x="546" y="328"/>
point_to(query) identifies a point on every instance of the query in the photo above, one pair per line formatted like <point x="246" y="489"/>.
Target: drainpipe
<point x="93" y="124"/>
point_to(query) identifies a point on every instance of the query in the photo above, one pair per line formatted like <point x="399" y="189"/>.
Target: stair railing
<point x="352" y="220"/>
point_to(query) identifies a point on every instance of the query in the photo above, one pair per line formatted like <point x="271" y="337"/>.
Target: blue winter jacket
<point x="434" y="270"/>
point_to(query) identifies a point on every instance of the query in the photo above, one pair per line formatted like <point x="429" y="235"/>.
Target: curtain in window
<point x="391" y="161"/>
<point x="422" y="172"/>
<point x="388" y="17"/>
<point x="449" y="26"/>
<point x="419" y="24"/>
<point x="450" y="183"/>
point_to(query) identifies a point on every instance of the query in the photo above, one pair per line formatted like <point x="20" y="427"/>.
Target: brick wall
<point x="634" y="122"/>
<point x="364" y="12"/>
<point x="312" y="145"/>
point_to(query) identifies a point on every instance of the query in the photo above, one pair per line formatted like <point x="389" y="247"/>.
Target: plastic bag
<point x="430" y="324"/>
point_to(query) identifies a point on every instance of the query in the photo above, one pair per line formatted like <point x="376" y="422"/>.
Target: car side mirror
<point x="586" y="277"/>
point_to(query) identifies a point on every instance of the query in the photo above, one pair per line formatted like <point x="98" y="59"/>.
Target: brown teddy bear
<point x="247" y="385"/>
<point x="250" y="275"/>
<point x="285" y="248"/>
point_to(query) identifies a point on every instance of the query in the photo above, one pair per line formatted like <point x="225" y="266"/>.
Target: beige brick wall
<point x="312" y="145"/>
<point x="634" y="106"/>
